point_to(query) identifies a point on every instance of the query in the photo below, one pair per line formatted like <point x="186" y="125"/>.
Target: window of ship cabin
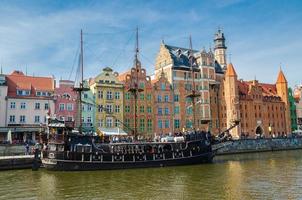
<point x="52" y="147"/>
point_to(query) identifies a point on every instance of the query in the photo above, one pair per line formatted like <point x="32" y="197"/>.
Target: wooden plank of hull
<point x="70" y="165"/>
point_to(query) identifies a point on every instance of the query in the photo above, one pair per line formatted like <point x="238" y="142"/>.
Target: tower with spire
<point x="220" y="49"/>
<point x="282" y="91"/>
<point x="232" y="99"/>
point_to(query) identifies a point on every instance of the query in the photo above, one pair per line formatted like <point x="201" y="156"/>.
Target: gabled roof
<point x="179" y="55"/>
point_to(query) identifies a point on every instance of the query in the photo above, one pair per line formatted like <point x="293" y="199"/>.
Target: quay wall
<point x="16" y="162"/>
<point x="260" y="145"/>
<point x="12" y="150"/>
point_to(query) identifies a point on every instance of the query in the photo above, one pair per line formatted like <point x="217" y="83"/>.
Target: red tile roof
<point x="267" y="89"/>
<point x="18" y="81"/>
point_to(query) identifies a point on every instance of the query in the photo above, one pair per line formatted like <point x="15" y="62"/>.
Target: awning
<point x="112" y="131"/>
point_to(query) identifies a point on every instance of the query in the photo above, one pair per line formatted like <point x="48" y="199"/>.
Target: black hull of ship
<point x="70" y="165"/>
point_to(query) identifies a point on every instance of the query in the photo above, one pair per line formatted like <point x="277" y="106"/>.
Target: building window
<point x="166" y="98"/>
<point x="23" y="105"/>
<point x="142" y="96"/>
<point x="109" y="122"/>
<point x="117" y="95"/>
<point x="189" y="110"/>
<point x="158" y="98"/>
<point x="22" y="118"/>
<point x="142" y="124"/>
<point x="12" y="105"/>
<point x="141" y="85"/>
<point x="159" y="111"/>
<point x="149" y="124"/>
<point x="167" y="123"/>
<point x="188" y="124"/>
<point x="166" y="111"/>
<point x="37" y="106"/>
<point x="89" y="107"/>
<point x="176" y="98"/>
<point x="46" y="106"/>
<point x="100" y="94"/>
<point x="109" y="95"/>
<point x="69" y="107"/>
<point x="176" y="110"/>
<point x="85" y="96"/>
<point x="109" y="108"/>
<point x="127" y="109"/>
<point x="101" y="123"/>
<point x="149" y="97"/>
<point x="12" y="118"/>
<point x="142" y="109"/>
<point x="69" y="118"/>
<point x="127" y="123"/>
<point x="89" y="119"/>
<point x="149" y="110"/>
<point x="127" y="95"/>
<point x="62" y="106"/>
<point x="37" y="119"/>
<point x="176" y="123"/>
<point x="117" y="108"/>
<point x="116" y="123"/>
<point x="163" y="86"/>
<point x="160" y="123"/>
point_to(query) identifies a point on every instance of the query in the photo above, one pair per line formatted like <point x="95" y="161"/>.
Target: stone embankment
<point x="259" y="145"/>
<point x="13" y="150"/>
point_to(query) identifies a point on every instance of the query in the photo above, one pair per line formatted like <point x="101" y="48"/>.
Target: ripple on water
<point x="248" y="176"/>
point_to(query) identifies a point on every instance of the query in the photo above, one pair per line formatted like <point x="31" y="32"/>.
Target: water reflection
<point x="247" y="176"/>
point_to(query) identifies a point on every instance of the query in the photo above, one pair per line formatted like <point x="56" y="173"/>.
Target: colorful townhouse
<point x="109" y="97"/>
<point x="66" y="102"/>
<point x="29" y="100"/>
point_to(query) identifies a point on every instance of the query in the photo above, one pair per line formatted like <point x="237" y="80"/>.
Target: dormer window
<point x="23" y="92"/>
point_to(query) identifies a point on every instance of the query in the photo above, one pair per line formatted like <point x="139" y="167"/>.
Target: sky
<point x="42" y="37"/>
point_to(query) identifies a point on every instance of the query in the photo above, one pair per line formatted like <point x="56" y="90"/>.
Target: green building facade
<point x="293" y="112"/>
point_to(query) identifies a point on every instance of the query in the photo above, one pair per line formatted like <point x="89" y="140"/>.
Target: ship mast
<point x="80" y="89"/>
<point x="193" y="93"/>
<point x="134" y="87"/>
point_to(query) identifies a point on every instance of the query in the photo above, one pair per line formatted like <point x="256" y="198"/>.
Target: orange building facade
<point x="163" y="105"/>
<point x="137" y="77"/>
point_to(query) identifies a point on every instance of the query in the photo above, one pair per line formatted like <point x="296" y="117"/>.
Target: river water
<point x="271" y="175"/>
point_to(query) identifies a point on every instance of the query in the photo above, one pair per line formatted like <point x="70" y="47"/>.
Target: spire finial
<point x="230" y="57"/>
<point x="162" y="72"/>
<point x="136" y="46"/>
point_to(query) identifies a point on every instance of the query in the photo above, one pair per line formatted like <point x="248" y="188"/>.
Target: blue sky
<point x="43" y="36"/>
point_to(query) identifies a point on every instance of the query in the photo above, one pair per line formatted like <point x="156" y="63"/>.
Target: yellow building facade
<point x="109" y="97"/>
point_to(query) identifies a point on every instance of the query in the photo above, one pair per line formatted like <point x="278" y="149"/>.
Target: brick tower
<point x="232" y="99"/>
<point x="282" y="91"/>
